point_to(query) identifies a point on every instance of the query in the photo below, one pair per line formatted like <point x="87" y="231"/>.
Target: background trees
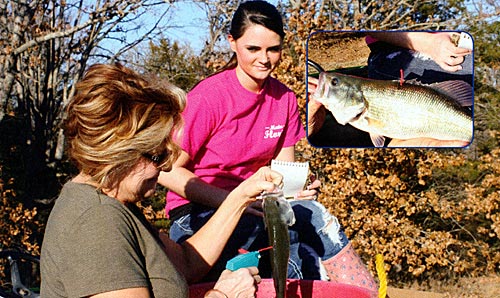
<point x="45" y="45"/>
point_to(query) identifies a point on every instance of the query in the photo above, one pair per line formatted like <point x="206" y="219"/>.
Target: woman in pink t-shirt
<point x="236" y="121"/>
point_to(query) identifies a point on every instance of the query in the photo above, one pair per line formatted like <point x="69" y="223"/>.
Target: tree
<point x="483" y="23"/>
<point x="179" y="63"/>
<point x="218" y="16"/>
<point x="45" y="45"/>
<point x="384" y="15"/>
<point x="176" y="63"/>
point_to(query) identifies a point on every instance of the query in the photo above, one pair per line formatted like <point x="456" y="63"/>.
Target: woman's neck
<point x="86" y="179"/>
<point x="248" y="82"/>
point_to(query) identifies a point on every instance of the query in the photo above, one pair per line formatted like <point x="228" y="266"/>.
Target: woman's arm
<point x="316" y="112"/>
<point x="188" y="185"/>
<point x="437" y="45"/>
<point x="196" y="256"/>
<point x="286" y="154"/>
<point x="125" y="293"/>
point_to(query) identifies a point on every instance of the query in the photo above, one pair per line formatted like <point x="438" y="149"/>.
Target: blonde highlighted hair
<point x="116" y="117"/>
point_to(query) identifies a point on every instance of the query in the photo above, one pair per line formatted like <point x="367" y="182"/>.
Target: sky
<point x="190" y="22"/>
<point x="193" y="28"/>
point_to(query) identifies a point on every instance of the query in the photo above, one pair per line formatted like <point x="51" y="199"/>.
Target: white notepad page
<point x="294" y="175"/>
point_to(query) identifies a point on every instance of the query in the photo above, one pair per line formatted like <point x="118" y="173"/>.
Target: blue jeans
<point x="316" y="235"/>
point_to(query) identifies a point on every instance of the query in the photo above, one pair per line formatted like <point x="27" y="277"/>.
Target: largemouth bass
<point x="278" y="215"/>
<point x="398" y="110"/>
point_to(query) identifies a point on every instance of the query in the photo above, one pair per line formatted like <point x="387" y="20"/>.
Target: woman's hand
<point x="264" y="179"/>
<point x="437" y="45"/>
<point x="444" y="52"/>
<point x="236" y="284"/>
<point x="311" y="191"/>
<point x="316" y="112"/>
<point x="427" y="142"/>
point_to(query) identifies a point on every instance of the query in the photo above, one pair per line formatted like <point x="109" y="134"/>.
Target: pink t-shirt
<point x="230" y="132"/>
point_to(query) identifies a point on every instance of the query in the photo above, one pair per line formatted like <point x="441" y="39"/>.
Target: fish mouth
<point x="321" y="88"/>
<point x="280" y="205"/>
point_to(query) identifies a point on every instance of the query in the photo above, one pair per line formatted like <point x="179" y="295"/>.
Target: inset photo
<point x="390" y="89"/>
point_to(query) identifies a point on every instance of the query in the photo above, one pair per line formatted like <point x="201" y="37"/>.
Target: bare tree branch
<point x="45" y="46"/>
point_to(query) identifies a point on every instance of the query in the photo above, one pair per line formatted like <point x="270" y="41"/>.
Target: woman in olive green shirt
<point x="120" y="128"/>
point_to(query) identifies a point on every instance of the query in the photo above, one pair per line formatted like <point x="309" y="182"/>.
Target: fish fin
<point x="377" y="140"/>
<point x="459" y="91"/>
<point x="291" y="218"/>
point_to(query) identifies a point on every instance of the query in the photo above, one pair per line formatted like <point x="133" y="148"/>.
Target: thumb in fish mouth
<point x="316" y="115"/>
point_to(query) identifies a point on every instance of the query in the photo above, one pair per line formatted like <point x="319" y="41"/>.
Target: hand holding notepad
<point x="294" y="175"/>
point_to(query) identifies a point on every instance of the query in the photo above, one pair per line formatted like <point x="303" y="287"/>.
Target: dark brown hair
<point x="254" y="13"/>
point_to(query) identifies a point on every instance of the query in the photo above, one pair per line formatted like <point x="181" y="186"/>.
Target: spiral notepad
<point x="294" y="175"/>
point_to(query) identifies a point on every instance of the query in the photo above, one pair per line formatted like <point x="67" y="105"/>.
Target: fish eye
<point x="334" y="81"/>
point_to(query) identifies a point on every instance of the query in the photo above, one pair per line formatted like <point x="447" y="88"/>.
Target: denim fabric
<point x="315" y="235"/>
<point x="317" y="228"/>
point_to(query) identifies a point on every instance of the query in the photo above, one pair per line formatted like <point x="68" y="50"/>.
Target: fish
<point x="278" y="215"/>
<point x="398" y="110"/>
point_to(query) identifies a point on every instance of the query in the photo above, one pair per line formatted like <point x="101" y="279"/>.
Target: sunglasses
<point x="159" y="160"/>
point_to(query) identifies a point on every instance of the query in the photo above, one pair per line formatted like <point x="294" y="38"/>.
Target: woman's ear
<point x="232" y="42"/>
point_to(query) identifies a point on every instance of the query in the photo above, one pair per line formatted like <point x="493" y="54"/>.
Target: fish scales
<point x="278" y="215"/>
<point x="416" y="112"/>
<point x="390" y="109"/>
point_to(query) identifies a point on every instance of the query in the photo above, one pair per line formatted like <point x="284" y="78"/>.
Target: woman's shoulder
<point x="274" y="82"/>
<point x="212" y="82"/>
<point x="279" y="89"/>
<point x="213" y="89"/>
<point x="80" y="201"/>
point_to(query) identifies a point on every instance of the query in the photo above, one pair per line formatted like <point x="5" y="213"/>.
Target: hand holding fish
<point x="427" y="142"/>
<point x="409" y="112"/>
<point x="264" y="179"/>
<point x="239" y="283"/>
<point x="266" y="175"/>
<point x="316" y="112"/>
<point x="437" y="45"/>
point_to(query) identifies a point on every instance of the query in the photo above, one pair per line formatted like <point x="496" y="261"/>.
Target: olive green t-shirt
<point x="95" y="244"/>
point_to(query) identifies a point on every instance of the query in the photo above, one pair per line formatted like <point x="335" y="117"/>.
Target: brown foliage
<point x="431" y="213"/>
<point x="18" y="225"/>
<point x="428" y="212"/>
